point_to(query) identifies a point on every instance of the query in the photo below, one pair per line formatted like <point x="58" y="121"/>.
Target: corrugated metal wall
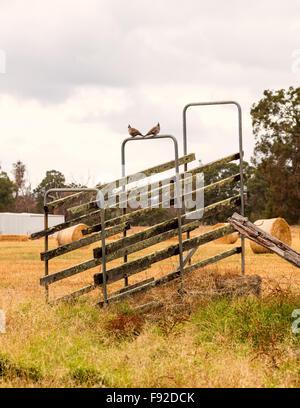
<point x="25" y="223"/>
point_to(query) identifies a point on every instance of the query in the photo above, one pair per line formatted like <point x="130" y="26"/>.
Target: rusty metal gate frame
<point x="111" y="275"/>
<point x="177" y="189"/>
<point x="238" y="106"/>
<point x="100" y="202"/>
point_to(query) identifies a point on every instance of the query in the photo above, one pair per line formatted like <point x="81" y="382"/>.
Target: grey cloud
<point x="60" y="45"/>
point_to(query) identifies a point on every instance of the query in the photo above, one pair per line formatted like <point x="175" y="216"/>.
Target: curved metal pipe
<point x="177" y="185"/>
<point x="240" y="151"/>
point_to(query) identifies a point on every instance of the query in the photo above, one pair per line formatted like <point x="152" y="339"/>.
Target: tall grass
<point x="245" y="342"/>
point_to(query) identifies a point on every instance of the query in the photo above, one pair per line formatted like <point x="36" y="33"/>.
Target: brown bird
<point x="154" y="131"/>
<point x="133" y="132"/>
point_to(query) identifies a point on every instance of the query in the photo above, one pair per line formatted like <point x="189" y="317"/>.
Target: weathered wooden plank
<point x="186" y="258"/>
<point x="133" y="286"/>
<point x="73" y="270"/>
<point x="62" y="226"/>
<point x="75" y="294"/>
<point x="117" y="220"/>
<point x="128" y="293"/>
<point x="69" y="199"/>
<point x="108" y="189"/>
<point x="111" y="254"/>
<point x="166" y="183"/>
<point x="137" y="265"/>
<point x="170" y="224"/>
<point x="63" y="249"/>
<point x="150" y="232"/>
<point x="265" y="239"/>
<point x="216" y="163"/>
<point x="171" y="276"/>
<point x="153" y="193"/>
<point x="124" y="180"/>
<point x="135" y="215"/>
<point x="199" y="169"/>
<point x="198" y="265"/>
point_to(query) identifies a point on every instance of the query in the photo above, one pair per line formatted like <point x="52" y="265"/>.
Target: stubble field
<point x="198" y="343"/>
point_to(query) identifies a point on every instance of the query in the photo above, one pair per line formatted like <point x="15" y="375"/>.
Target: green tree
<point x="275" y="185"/>
<point x="24" y="201"/>
<point x="53" y="179"/>
<point x="19" y="169"/>
<point x="7" y="187"/>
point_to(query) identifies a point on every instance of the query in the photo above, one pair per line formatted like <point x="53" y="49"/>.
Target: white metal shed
<point x="26" y="223"/>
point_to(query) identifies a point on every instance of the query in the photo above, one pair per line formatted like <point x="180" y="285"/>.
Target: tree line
<point x="272" y="176"/>
<point x="16" y="194"/>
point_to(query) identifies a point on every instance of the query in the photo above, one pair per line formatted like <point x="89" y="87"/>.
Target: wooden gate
<point x="120" y="223"/>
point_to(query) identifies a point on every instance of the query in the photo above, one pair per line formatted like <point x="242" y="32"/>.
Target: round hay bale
<point x="278" y="228"/>
<point x="227" y="239"/>
<point x="70" y="234"/>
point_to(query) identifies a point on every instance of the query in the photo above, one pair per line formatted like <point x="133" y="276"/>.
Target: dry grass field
<point x="239" y="343"/>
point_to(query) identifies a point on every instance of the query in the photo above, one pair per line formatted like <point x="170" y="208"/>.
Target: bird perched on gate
<point x="133" y="132"/>
<point x="154" y="131"/>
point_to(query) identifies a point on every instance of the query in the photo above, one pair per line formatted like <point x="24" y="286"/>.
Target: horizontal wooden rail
<point x="63" y="249"/>
<point x="138" y="265"/>
<point x="92" y="287"/>
<point x="115" y="297"/>
<point x="124" y="180"/>
<point x="265" y="239"/>
<point x="73" y="270"/>
<point x="75" y="294"/>
<point x="113" y="254"/>
<point x="137" y="213"/>
<point x="126" y="250"/>
<point x="201" y="264"/>
<point x="143" y="195"/>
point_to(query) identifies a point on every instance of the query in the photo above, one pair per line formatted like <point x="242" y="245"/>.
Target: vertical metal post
<point x="241" y="158"/>
<point x="185" y="165"/>
<point x="46" y="212"/>
<point x="241" y="183"/>
<point x="100" y="198"/>
<point x="125" y="258"/>
<point x="103" y="255"/>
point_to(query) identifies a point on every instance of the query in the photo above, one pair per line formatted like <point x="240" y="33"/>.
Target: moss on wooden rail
<point x="138" y="265"/>
<point x="265" y="239"/>
<point x="63" y="249"/>
<point x="117" y="220"/>
<point x="73" y="270"/>
<point x="124" y="180"/>
<point x="113" y="254"/>
<point x="167" y="278"/>
<point x="135" y="215"/>
<point x="140" y="196"/>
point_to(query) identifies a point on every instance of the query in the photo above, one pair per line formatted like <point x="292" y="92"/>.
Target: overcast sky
<point x="77" y="72"/>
